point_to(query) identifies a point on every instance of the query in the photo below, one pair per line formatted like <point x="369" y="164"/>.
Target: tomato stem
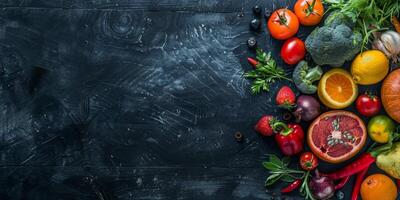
<point x="310" y="9"/>
<point x="282" y="18"/>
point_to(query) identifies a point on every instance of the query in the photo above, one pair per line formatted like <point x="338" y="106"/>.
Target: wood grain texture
<point x="131" y="100"/>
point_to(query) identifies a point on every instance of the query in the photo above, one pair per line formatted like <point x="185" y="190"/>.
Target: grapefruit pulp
<point x="336" y="136"/>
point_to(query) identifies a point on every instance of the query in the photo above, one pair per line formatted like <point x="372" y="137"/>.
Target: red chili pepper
<point x="357" y="184"/>
<point x="364" y="161"/>
<point x="342" y="182"/>
<point x="290" y="138"/>
<point x="398" y="184"/>
<point x="252" y="61"/>
<point x="295" y="184"/>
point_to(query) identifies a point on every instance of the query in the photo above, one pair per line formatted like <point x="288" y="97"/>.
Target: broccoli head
<point x="338" y="18"/>
<point x="335" y="42"/>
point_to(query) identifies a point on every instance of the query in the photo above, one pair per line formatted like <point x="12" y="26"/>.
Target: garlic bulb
<point x="389" y="43"/>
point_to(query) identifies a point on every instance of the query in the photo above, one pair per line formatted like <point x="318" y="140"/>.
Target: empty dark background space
<point x="133" y="99"/>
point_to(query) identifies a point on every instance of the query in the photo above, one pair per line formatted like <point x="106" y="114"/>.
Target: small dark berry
<point x="252" y="43"/>
<point x="287" y="116"/>
<point x="238" y="136"/>
<point x="267" y="13"/>
<point x="255" y="24"/>
<point x="257" y="10"/>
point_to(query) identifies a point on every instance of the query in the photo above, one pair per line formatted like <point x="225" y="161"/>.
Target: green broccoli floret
<point x="338" y="18"/>
<point x="335" y="42"/>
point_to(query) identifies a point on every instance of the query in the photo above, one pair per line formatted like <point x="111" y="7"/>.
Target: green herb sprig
<point x="265" y="73"/>
<point x="279" y="170"/>
<point x="369" y="16"/>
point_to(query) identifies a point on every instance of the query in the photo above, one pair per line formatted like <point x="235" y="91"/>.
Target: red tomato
<point x="368" y="105"/>
<point x="293" y="51"/>
<point x="308" y="161"/>
<point x="283" y="24"/>
<point x="309" y="12"/>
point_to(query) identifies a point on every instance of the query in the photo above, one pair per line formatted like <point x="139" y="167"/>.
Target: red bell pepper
<point x="290" y="138"/>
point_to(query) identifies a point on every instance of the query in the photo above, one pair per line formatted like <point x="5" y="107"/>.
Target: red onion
<point x="308" y="108"/>
<point x="321" y="187"/>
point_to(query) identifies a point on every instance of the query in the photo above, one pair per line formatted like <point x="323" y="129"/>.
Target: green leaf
<point x="255" y="88"/>
<point x="274" y="159"/>
<point x="271" y="166"/>
<point x="332" y="1"/>
<point x="286" y="161"/>
<point x="287" y="178"/>
<point x="265" y="87"/>
<point x="272" y="179"/>
<point x="251" y="74"/>
<point x="265" y="73"/>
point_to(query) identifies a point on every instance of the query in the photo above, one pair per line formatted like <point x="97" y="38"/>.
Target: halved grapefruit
<point x="336" y="136"/>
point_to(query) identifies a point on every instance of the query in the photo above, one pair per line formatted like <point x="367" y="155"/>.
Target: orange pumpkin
<point x="390" y="94"/>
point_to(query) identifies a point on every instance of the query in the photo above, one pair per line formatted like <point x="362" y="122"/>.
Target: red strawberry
<point x="263" y="125"/>
<point x="285" y="97"/>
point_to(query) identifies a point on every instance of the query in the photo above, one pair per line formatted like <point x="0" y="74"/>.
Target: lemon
<point x="369" y="67"/>
<point x="336" y="89"/>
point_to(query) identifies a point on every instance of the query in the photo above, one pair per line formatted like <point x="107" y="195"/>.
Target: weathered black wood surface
<point x="131" y="100"/>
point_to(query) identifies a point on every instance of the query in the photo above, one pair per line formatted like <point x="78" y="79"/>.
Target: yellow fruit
<point x="378" y="187"/>
<point x="336" y="89"/>
<point x="369" y="67"/>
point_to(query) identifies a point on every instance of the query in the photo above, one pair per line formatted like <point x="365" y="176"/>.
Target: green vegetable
<point x="265" y="73"/>
<point x="368" y="16"/>
<point x="279" y="170"/>
<point x="335" y="42"/>
<point x="304" y="77"/>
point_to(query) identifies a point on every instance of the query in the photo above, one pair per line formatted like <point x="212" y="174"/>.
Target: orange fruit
<point x="378" y="186"/>
<point x="370" y="67"/>
<point x="336" y="136"/>
<point x="336" y="89"/>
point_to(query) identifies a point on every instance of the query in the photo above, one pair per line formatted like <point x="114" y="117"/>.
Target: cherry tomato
<point x="308" y="161"/>
<point x="368" y="105"/>
<point x="293" y="51"/>
<point x="309" y="12"/>
<point x="283" y="24"/>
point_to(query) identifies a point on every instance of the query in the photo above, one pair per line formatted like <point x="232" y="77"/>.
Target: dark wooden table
<point x="132" y="99"/>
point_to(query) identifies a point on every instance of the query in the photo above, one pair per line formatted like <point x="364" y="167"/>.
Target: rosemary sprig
<point x="265" y="73"/>
<point x="305" y="189"/>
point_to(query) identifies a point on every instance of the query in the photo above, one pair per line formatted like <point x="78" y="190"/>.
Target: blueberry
<point x="267" y="13"/>
<point x="257" y="10"/>
<point x="252" y="43"/>
<point x="255" y="24"/>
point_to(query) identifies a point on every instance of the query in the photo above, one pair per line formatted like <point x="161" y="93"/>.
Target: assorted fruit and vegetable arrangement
<point x="363" y="33"/>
